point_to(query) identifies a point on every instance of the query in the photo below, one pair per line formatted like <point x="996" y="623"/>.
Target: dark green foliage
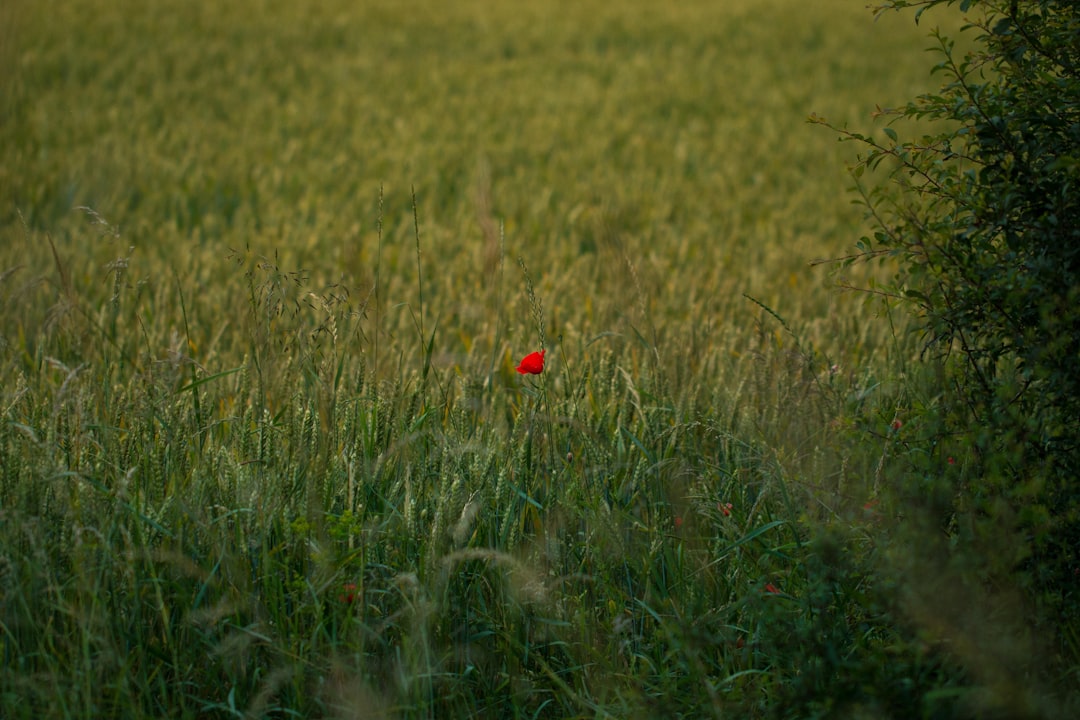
<point x="982" y="215"/>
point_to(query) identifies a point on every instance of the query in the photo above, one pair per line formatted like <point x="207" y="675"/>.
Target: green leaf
<point x="210" y="378"/>
<point x="753" y="534"/>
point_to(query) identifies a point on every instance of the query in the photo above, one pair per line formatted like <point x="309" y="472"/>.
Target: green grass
<point x="266" y="273"/>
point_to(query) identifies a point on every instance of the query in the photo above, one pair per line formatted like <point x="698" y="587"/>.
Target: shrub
<point x="981" y="216"/>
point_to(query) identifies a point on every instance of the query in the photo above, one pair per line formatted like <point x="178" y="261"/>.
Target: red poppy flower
<point x="772" y="589"/>
<point x="349" y="593"/>
<point x="533" y="363"/>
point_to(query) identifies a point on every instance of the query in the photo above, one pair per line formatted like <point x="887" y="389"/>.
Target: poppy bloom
<point x="772" y="589"/>
<point x="349" y="593"/>
<point x="533" y="363"/>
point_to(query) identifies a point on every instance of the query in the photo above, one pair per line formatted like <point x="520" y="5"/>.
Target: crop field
<point x="266" y="271"/>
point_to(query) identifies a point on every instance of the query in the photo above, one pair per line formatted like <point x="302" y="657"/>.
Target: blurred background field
<point x="674" y="137"/>
<point x="265" y="272"/>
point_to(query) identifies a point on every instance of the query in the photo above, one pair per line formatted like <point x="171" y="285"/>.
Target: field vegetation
<point x="267" y="269"/>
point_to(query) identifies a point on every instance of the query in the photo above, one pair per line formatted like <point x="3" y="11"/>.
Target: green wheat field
<point x="266" y="271"/>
